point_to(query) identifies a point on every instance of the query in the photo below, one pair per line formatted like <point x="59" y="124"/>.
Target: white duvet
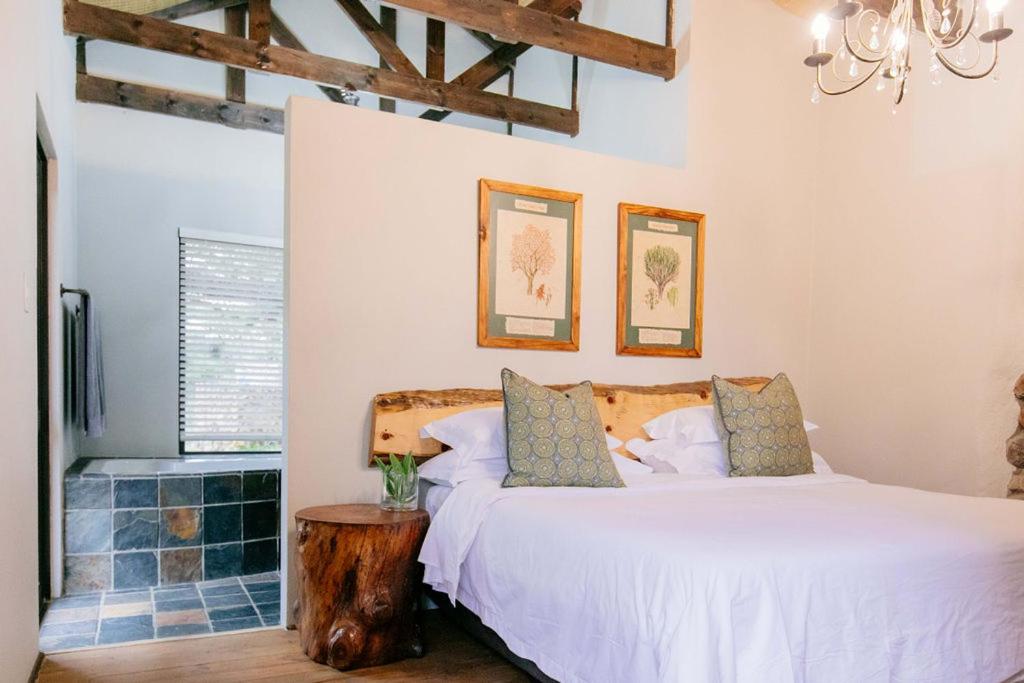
<point x="812" y="578"/>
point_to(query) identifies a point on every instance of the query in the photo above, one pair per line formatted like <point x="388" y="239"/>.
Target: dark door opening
<point x="43" y="372"/>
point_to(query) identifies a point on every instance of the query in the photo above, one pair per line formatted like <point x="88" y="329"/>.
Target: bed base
<point x="471" y="623"/>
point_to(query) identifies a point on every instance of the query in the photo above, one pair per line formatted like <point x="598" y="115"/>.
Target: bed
<point x="806" y="578"/>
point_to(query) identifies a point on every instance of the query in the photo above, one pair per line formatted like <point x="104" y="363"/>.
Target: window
<point x="230" y="343"/>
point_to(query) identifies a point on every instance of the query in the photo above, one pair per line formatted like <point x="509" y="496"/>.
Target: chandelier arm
<point x="849" y="46"/>
<point x="843" y="80"/>
<point x="822" y="88"/>
<point x="935" y="40"/>
<point x="966" y="68"/>
<point x="971" y="77"/>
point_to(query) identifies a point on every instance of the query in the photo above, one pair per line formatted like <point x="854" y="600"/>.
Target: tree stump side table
<point x="359" y="581"/>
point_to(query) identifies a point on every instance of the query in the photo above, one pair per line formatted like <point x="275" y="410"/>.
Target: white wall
<point x="141" y="178"/>
<point x="381" y="246"/>
<point x="917" y="332"/>
<point x="43" y="74"/>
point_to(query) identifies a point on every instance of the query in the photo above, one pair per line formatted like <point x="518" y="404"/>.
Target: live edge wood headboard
<point x="399" y="415"/>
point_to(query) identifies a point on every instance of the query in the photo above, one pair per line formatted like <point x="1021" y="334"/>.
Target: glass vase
<point x="399" y="490"/>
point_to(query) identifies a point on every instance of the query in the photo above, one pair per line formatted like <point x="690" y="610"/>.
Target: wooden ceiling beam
<point x="259" y="21"/>
<point x="484" y="39"/>
<point x="493" y="66"/>
<point x="389" y="22"/>
<point x="234" y="25"/>
<point x="371" y="29"/>
<point x="513" y="23"/>
<point x="501" y="60"/>
<point x="435" y="49"/>
<point x="280" y="32"/>
<point x="185" y="105"/>
<point x="190" y="8"/>
<point x="164" y="36"/>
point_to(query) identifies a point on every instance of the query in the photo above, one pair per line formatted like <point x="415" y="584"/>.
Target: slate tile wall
<point x="124" y="532"/>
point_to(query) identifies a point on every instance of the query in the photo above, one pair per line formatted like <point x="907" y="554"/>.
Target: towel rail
<point x="84" y="293"/>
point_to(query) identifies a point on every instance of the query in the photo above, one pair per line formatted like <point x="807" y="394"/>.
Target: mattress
<point x="807" y="578"/>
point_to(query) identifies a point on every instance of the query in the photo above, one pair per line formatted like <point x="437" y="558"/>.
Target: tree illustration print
<point x="661" y="265"/>
<point x="532" y="254"/>
<point x="531" y="260"/>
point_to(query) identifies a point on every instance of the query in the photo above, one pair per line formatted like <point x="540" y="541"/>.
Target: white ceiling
<point x="804" y="8"/>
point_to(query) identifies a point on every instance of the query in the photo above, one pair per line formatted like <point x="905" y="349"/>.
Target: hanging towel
<point x="94" y="418"/>
<point x="72" y="378"/>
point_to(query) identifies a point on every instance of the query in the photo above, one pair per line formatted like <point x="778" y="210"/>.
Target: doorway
<point x="43" y="372"/>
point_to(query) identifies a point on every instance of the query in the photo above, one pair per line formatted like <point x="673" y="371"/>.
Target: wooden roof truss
<point x="257" y="39"/>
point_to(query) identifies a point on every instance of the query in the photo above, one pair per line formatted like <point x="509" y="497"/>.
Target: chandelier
<point x="873" y="46"/>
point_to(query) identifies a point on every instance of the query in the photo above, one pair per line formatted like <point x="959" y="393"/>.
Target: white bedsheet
<point x="435" y="497"/>
<point x="812" y="578"/>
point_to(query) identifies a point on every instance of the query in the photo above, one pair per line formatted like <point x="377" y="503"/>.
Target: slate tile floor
<point x="185" y="609"/>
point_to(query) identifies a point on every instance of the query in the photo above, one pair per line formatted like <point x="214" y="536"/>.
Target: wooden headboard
<point x="399" y="415"/>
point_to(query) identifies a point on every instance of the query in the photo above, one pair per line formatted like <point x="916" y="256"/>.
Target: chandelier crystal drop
<point x="962" y="40"/>
<point x="935" y="70"/>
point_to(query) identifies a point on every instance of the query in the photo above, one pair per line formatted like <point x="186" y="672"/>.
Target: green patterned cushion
<point x="554" y="438"/>
<point x="763" y="432"/>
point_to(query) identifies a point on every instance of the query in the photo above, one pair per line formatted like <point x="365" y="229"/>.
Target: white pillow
<point x="450" y="469"/>
<point x="649" y="455"/>
<point x="479" y="433"/>
<point x="697" y="424"/>
<point x="675" y="455"/>
<point x="474" y="434"/>
<point x="446" y="469"/>
<point x="706" y="459"/>
<point x="703" y="459"/>
<point x="697" y="456"/>
<point x="629" y="466"/>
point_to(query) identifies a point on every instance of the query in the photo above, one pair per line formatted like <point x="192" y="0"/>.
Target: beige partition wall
<point x="382" y="249"/>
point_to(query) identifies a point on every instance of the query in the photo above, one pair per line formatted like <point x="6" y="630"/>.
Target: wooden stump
<point x="359" y="582"/>
<point x="1015" y="447"/>
<point x="1016" y="487"/>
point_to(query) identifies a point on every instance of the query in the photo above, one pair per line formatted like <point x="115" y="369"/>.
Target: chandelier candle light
<point x="877" y="46"/>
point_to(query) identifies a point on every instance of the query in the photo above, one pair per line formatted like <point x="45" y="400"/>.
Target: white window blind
<point x="231" y="346"/>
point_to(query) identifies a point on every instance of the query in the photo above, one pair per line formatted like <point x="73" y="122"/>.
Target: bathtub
<point x="189" y="464"/>
<point x="136" y="523"/>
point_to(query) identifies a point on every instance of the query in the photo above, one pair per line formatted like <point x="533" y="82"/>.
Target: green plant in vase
<point x="400" y="490"/>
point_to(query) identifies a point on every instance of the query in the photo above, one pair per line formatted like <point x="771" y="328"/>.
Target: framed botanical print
<point x="529" y="267"/>
<point x="661" y="282"/>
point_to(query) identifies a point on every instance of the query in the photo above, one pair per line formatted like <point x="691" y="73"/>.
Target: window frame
<point x="229" y="238"/>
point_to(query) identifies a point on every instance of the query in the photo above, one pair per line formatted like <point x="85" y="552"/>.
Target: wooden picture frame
<point x="658" y="314"/>
<point x="528" y="267"/>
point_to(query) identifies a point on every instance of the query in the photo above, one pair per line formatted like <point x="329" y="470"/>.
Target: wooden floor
<point x="275" y="656"/>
